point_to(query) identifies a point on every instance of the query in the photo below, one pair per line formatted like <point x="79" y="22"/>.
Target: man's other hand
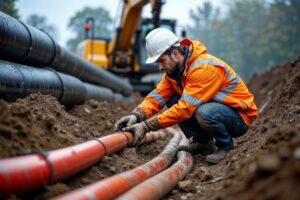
<point x="138" y="130"/>
<point x="124" y="122"/>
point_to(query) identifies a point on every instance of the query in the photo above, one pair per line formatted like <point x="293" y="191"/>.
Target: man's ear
<point x="175" y="56"/>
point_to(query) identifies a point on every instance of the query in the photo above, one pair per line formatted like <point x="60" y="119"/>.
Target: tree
<point x="40" y="22"/>
<point x="8" y="7"/>
<point x="246" y="23"/>
<point x="103" y="22"/>
<point x="253" y="36"/>
<point x="203" y="18"/>
<point x="284" y="24"/>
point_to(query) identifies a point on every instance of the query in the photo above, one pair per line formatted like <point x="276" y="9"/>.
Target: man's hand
<point x="138" y="130"/>
<point x="125" y="121"/>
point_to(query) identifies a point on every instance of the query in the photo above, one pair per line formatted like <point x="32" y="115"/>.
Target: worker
<point x="203" y="94"/>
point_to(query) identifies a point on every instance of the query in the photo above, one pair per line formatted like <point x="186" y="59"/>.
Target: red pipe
<point x="25" y="173"/>
<point x="112" y="187"/>
<point x="161" y="184"/>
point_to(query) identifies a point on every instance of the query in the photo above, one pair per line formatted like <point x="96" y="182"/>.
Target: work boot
<point x="217" y="156"/>
<point x="196" y="148"/>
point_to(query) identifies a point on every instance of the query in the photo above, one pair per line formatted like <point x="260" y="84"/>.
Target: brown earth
<point x="264" y="165"/>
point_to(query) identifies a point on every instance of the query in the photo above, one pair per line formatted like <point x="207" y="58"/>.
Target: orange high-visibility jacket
<point x="205" y="79"/>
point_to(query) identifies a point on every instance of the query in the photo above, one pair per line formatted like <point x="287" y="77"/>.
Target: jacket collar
<point x="196" y="48"/>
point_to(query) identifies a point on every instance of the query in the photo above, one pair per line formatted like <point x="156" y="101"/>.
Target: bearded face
<point x="168" y="63"/>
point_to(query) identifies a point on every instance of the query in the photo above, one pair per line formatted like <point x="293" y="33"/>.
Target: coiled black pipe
<point x="24" y="44"/>
<point x="18" y="81"/>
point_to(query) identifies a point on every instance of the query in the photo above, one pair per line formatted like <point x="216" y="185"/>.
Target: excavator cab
<point x="147" y="75"/>
<point x="145" y="27"/>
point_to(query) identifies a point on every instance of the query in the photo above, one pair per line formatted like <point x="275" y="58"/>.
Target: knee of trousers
<point x="205" y="115"/>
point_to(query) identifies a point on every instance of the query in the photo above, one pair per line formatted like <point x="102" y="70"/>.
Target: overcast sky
<point x="59" y="12"/>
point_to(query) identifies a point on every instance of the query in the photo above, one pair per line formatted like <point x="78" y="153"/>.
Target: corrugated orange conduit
<point x="28" y="172"/>
<point x="112" y="187"/>
<point x="161" y="184"/>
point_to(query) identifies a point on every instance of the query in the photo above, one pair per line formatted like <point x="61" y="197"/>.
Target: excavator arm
<point x="120" y="47"/>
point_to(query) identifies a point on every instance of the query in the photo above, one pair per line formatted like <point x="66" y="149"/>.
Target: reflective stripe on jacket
<point x="205" y="79"/>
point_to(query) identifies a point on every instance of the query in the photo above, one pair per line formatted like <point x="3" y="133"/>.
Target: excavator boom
<point x="131" y="15"/>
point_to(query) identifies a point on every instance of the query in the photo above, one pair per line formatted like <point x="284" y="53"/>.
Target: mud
<point x="264" y="165"/>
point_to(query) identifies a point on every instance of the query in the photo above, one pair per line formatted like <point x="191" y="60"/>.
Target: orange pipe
<point x="14" y="174"/>
<point x="112" y="187"/>
<point x="161" y="184"/>
<point x="25" y="173"/>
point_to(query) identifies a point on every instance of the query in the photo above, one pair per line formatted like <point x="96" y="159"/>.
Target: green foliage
<point x="103" y="22"/>
<point x="8" y="7"/>
<point x="40" y="22"/>
<point x="255" y="34"/>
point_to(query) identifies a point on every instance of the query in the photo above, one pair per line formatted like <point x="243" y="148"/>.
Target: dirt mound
<point x="40" y="122"/>
<point x="266" y="156"/>
<point x="262" y="85"/>
<point x="36" y="122"/>
<point x="264" y="165"/>
<point x="273" y="171"/>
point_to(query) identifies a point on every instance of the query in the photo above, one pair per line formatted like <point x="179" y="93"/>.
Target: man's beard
<point x="174" y="71"/>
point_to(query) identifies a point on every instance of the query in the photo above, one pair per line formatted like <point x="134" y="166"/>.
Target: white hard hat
<point x="157" y="42"/>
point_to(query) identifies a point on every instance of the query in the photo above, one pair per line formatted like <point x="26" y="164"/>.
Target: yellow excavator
<point x="125" y="53"/>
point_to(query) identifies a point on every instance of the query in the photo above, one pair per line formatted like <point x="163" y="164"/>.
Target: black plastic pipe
<point x="18" y="81"/>
<point x="24" y="44"/>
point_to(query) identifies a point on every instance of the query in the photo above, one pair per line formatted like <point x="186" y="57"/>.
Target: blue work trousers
<point x="212" y="121"/>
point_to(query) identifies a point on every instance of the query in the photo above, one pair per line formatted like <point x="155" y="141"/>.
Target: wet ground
<point x="264" y="165"/>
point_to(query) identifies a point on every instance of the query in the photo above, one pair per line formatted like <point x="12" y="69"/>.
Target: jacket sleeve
<point x="156" y="99"/>
<point x="203" y="82"/>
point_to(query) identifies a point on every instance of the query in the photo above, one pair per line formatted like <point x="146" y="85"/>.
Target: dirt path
<point x="264" y="165"/>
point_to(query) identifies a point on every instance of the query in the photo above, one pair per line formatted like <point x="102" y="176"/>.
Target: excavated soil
<point x="264" y="165"/>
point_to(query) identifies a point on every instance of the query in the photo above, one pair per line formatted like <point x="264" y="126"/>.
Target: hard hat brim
<point x="152" y="59"/>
